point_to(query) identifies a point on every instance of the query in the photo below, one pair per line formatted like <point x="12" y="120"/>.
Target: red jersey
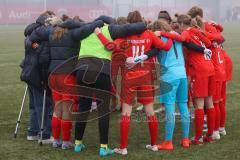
<point x="144" y="42"/>
<point x="219" y="63"/>
<point x="134" y="46"/>
<point x="198" y="64"/>
<point x="228" y="66"/>
<point x="213" y="32"/>
<point x="140" y="44"/>
<point x="118" y="57"/>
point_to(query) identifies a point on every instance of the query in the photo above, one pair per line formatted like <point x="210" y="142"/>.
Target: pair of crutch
<point x="21" y="111"/>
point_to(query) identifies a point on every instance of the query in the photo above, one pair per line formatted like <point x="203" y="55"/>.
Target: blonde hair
<point x="134" y="17"/>
<point x="48" y="13"/>
<point x="161" y="25"/>
<point x="53" y="21"/>
<point x="121" y="20"/>
<point x="198" y="23"/>
<point x="195" y="11"/>
<point x="165" y="15"/>
<point x="58" y="33"/>
<point x="77" y="18"/>
<point x="184" y="19"/>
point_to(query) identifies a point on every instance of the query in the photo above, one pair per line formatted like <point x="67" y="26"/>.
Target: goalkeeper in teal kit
<point x="175" y="75"/>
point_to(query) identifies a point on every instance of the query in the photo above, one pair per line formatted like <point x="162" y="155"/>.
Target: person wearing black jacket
<point x="34" y="75"/>
<point x="64" y="41"/>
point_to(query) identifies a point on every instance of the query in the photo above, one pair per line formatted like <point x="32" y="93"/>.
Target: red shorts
<point x="224" y="90"/>
<point x="202" y="86"/>
<point x="138" y="84"/>
<point x="218" y="91"/>
<point x="69" y="80"/>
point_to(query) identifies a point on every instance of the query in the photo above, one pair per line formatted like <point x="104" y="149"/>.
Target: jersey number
<point x="137" y="51"/>
<point x="219" y="58"/>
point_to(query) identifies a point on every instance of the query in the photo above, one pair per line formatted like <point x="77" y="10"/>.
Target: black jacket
<point x="68" y="46"/>
<point x="32" y="69"/>
<point x="121" y="31"/>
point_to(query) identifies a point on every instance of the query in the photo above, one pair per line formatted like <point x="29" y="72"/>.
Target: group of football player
<point x="79" y="64"/>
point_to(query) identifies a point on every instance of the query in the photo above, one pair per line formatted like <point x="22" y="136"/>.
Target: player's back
<point x="219" y="63"/>
<point x="139" y="44"/>
<point x="173" y="57"/>
<point x="197" y="61"/>
<point x="173" y="60"/>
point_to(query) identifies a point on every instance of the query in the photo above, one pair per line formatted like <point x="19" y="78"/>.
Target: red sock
<point x="124" y="130"/>
<point x="217" y="117"/>
<point x="66" y="130"/>
<point x="199" y="122"/>
<point x="211" y="118"/>
<point x="153" y="128"/>
<point x="56" y="127"/>
<point x="222" y="108"/>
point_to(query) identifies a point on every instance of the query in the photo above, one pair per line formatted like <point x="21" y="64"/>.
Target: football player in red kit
<point x="201" y="71"/>
<point x="213" y="31"/>
<point x="228" y="77"/>
<point x="220" y="73"/>
<point x="137" y="80"/>
<point x="222" y="104"/>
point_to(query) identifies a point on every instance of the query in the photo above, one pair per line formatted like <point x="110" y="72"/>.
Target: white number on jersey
<point x="219" y="58"/>
<point x="137" y="51"/>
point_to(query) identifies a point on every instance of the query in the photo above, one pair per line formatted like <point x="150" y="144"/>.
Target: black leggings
<point x="98" y="85"/>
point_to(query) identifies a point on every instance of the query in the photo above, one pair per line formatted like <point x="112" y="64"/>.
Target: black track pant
<point x="98" y="85"/>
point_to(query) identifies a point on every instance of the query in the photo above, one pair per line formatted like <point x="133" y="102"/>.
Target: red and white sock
<point x="211" y="119"/>
<point x="66" y="130"/>
<point x="56" y="127"/>
<point x="153" y="128"/>
<point x="124" y="130"/>
<point x="199" y="122"/>
<point x="223" y="113"/>
<point x="217" y="117"/>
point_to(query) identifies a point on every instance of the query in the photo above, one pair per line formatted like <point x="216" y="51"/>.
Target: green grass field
<point x="12" y="89"/>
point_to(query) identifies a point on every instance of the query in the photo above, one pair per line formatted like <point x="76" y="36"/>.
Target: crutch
<point x="43" y="116"/>
<point x="20" y="113"/>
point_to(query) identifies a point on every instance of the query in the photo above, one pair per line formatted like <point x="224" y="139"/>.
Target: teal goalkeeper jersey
<point x="174" y="62"/>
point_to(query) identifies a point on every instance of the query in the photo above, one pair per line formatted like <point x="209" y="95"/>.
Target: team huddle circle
<point x="77" y="72"/>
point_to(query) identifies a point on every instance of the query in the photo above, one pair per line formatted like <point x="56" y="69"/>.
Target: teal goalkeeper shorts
<point x="178" y="94"/>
